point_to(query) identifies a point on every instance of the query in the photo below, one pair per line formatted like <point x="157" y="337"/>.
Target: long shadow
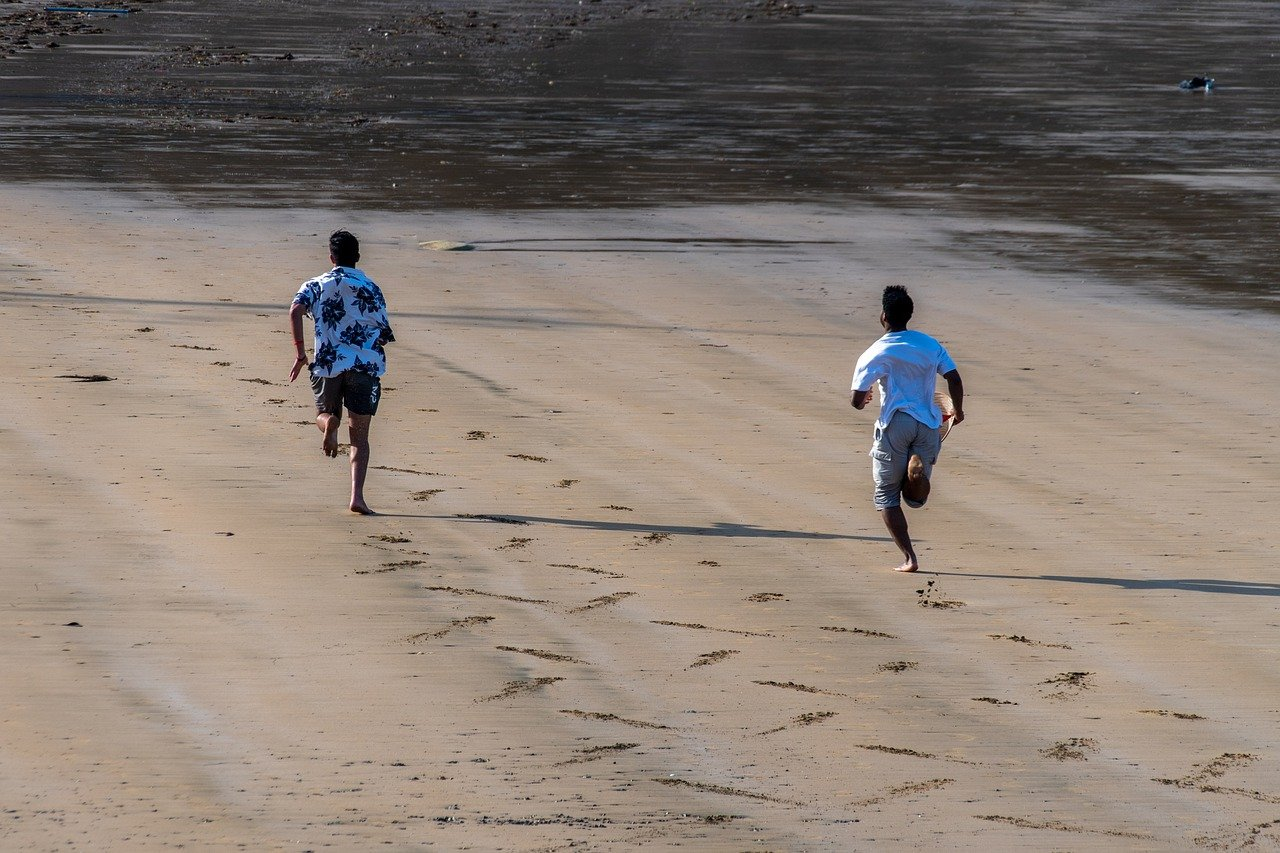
<point x="720" y="528"/>
<point x="1187" y="584"/>
<point x="496" y="321"/>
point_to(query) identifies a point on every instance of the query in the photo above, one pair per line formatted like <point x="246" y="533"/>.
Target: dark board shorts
<point x="355" y="389"/>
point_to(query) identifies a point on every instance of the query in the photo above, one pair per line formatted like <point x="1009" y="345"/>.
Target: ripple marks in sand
<point x="612" y="718"/>
<point x="708" y="658"/>
<point x="1018" y="638"/>
<point x="602" y="601"/>
<point x="803" y="688"/>
<point x="905" y="791"/>
<point x="594" y="753"/>
<point x="863" y="631"/>
<point x="452" y="626"/>
<point x="589" y="569"/>
<point x="540" y="653"/>
<point x="895" y="750"/>
<point x="391" y="567"/>
<point x="801" y="721"/>
<point x="1057" y="826"/>
<point x="721" y="789"/>
<point x="1198" y="778"/>
<point x="453" y="590"/>
<point x="699" y="627"/>
<point x="514" y="688"/>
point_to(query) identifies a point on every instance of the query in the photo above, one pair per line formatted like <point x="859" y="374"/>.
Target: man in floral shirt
<point x="350" y="330"/>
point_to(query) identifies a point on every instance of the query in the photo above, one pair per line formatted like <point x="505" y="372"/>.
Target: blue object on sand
<point x="86" y="10"/>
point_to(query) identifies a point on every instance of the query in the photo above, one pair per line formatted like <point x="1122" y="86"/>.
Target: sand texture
<point x="627" y="587"/>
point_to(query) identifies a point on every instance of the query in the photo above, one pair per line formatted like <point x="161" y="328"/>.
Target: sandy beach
<point x="627" y="587"/>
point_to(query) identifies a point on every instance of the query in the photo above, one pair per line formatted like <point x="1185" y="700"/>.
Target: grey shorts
<point x="355" y="389"/>
<point x="892" y="449"/>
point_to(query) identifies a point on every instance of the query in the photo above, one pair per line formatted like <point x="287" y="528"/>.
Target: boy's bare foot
<point x="362" y="509"/>
<point x="330" y="444"/>
<point x="916" y="485"/>
<point x="908" y="567"/>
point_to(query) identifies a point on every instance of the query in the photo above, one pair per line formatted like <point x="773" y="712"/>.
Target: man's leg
<point x="889" y="469"/>
<point x="328" y="394"/>
<point x="896" y="520"/>
<point x="359" y="428"/>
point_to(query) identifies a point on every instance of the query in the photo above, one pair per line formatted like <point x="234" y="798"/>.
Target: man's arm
<point x="296" y="312"/>
<point x="955" y="388"/>
<point x="860" y="398"/>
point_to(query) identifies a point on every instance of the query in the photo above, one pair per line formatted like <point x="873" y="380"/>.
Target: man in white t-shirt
<point x="905" y="364"/>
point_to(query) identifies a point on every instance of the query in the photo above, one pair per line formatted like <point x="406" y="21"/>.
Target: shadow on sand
<point x="719" y="528"/>
<point x="1185" y="584"/>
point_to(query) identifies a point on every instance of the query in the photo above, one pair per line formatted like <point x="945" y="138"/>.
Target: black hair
<point x="898" y="306"/>
<point x="345" y="248"/>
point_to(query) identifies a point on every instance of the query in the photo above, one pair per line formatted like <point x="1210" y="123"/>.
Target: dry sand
<point x="628" y="588"/>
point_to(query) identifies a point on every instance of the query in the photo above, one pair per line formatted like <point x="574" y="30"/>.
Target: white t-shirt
<point x="906" y="364"/>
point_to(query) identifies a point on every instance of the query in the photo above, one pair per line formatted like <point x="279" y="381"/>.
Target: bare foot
<point x="362" y="509"/>
<point x="909" y="566"/>
<point x="915" y="485"/>
<point x="330" y="445"/>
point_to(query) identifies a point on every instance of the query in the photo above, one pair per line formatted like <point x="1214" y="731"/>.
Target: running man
<point x="350" y="330"/>
<point x="905" y="364"/>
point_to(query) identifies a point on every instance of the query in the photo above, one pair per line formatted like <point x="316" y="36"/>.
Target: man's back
<point x="906" y="364"/>
<point x="350" y="320"/>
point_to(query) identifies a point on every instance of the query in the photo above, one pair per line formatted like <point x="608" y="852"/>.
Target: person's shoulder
<point x="322" y="279"/>
<point x="922" y="339"/>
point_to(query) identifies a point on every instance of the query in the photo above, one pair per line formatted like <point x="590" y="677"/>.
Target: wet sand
<point x="627" y="587"/>
<point x="1057" y="113"/>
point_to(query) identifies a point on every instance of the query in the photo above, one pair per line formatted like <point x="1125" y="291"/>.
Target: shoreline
<point x="697" y="640"/>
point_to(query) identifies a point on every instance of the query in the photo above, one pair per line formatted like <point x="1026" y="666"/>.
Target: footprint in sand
<point x="1262" y="836"/>
<point x="1067" y="685"/>
<point x="1072" y="749"/>
<point x="898" y="666"/>
<point x="425" y="494"/>
<point x="930" y="596"/>
<point x="1201" y="776"/>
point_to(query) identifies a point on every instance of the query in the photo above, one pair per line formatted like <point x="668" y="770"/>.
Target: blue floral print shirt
<point x="351" y="322"/>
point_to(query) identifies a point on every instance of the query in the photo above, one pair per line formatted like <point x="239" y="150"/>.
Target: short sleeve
<point x="865" y="374"/>
<point x="945" y="364"/>
<point x="307" y="295"/>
